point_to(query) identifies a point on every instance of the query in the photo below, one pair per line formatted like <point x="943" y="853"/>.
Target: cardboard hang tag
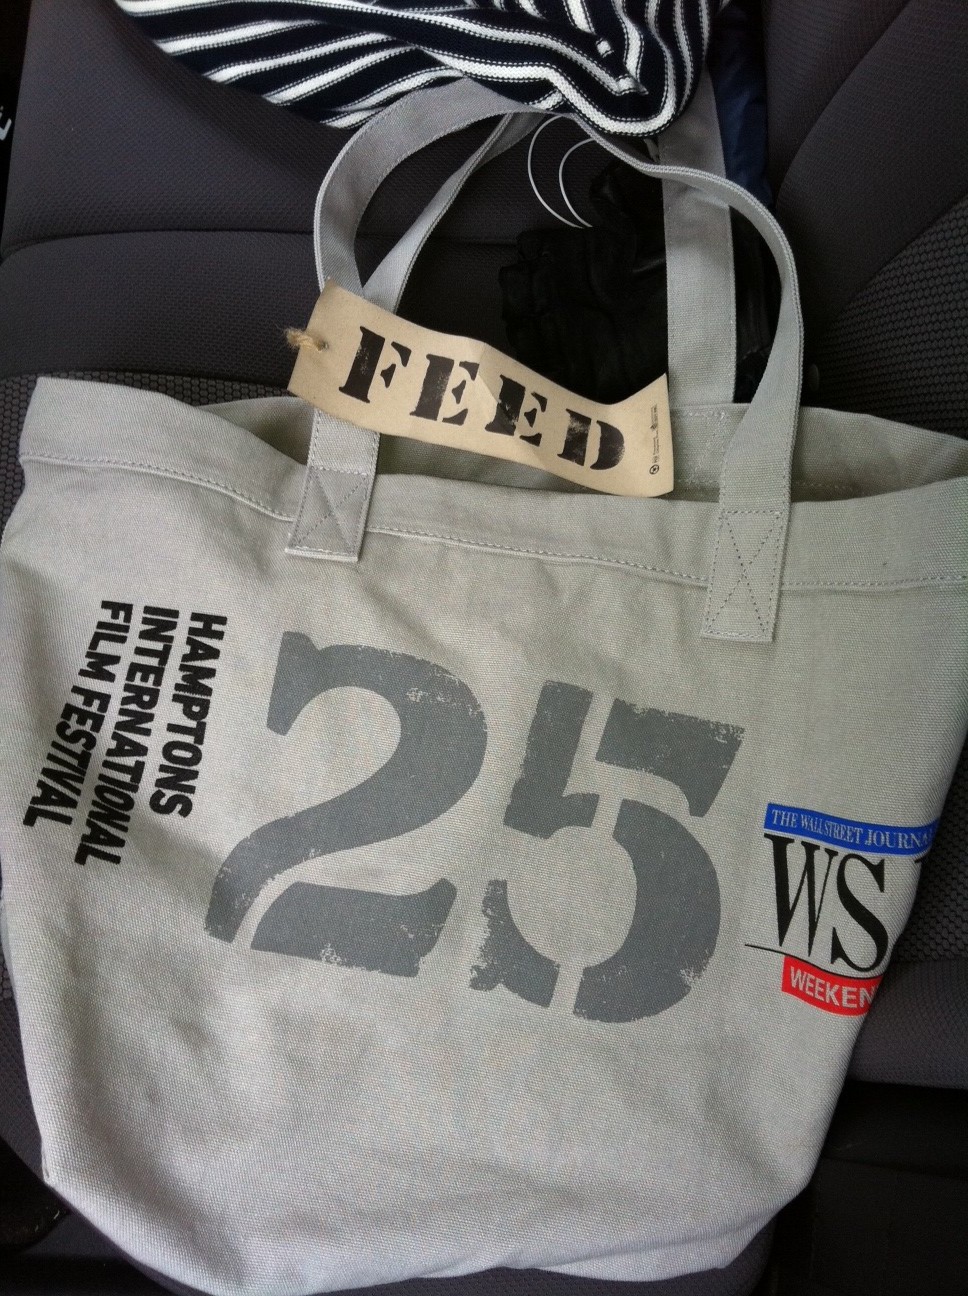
<point x="372" y="368"/>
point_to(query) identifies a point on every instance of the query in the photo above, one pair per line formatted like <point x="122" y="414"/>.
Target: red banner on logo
<point x="848" y="996"/>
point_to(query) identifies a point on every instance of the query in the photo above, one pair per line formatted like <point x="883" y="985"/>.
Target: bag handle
<point x="700" y="275"/>
<point x="341" y="466"/>
<point x="754" y="497"/>
<point x="701" y="297"/>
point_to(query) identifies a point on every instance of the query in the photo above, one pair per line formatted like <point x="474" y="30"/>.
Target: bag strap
<point x="754" y="498"/>
<point x="701" y="311"/>
<point x="341" y="467"/>
<point x="700" y="274"/>
<point x="701" y="292"/>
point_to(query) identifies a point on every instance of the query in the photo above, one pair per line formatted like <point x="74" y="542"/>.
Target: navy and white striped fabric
<point x="628" y="67"/>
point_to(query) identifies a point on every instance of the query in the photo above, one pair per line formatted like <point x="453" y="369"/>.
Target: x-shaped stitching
<point x="744" y="577"/>
<point x="333" y="506"/>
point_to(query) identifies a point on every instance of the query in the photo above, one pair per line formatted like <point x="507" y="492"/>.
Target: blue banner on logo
<point x="852" y="834"/>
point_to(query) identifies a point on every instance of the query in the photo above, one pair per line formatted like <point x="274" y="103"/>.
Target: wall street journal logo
<point x="832" y="879"/>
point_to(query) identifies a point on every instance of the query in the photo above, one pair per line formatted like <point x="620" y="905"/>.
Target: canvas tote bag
<point x="412" y="865"/>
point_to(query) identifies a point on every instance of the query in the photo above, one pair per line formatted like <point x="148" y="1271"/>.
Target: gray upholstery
<point x="18" y="1127"/>
<point x="868" y="119"/>
<point x="893" y="349"/>
<point x="937" y="929"/>
<point x="917" y="1032"/>
<point x="131" y="141"/>
<point x="111" y="137"/>
<point x="884" y="1215"/>
<point x="917" y="1035"/>
<point x="73" y="1260"/>
<point x="811" y="50"/>
<point x="158" y="221"/>
<point x="196" y="301"/>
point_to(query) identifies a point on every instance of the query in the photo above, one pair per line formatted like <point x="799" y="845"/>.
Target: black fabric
<point x="163" y="149"/>
<point x="28" y="1210"/>
<point x="811" y="50"/>
<point x="900" y="1127"/>
<point x="917" y="1031"/>
<point x="899" y="348"/>
<point x="212" y="303"/>
<point x="885" y="1212"/>
<point x="587" y="307"/>
<point x="737" y="66"/>
<point x="13" y="37"/>
<point x="69" y="1275"/>
<point x="938" y="925"/>
<point x="18" y="1126"/>
<point x="877" y="1230"/>
<point x="74" y="1239"/>
<point x="74" y="1268"/>
<point x="884" y="158"/>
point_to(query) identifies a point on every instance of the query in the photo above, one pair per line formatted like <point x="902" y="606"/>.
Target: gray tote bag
<point x="414" y="865"/>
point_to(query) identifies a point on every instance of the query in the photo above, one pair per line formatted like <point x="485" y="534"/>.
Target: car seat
<point x="157" y="233"/>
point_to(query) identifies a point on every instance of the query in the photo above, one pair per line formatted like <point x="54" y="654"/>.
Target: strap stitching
<point x="176" y="474"/>
<point x="300" y="539"/>
<point x="780" y="527"/>
<point x="747" y="577"/>
<point x="744" y="577"/>
<point x="232" y="492"/>
<point x="745" y="572"/>
<point x="688" y="577"/>
<point x="535" y="553"/>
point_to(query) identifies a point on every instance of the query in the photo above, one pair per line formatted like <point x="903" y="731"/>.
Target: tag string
<point x="298" y="338"/>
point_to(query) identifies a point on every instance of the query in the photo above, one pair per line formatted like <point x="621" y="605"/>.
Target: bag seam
<point x="699" y="581"/>
<point x="156" y="471"/>
<point x="705" y="483"/>
<point x="263" y="507"/>
<point x="745" y="577"/>
<point x="300" y="540"/>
